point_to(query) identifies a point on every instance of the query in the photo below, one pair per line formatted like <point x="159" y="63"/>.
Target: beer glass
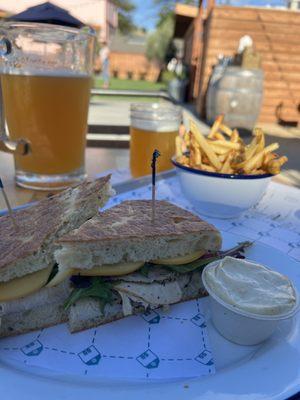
<point x="45" y="87"/>
<point x="153" y="126"/>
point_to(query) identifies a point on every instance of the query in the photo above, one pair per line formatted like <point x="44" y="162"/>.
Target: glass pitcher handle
<point x="20" y="146"/>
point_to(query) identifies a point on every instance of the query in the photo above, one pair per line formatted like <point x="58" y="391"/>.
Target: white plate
<point x="267" y="371"/>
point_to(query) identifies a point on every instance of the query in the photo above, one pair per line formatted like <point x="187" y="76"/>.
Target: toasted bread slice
<point x="39" y="310"/>
<point x="125" y="233"/>
<point x="30" y="247"/>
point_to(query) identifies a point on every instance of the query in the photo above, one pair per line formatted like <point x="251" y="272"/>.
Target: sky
<point x="145" y="14"/>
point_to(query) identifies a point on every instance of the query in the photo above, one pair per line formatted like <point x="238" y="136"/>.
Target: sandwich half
<point x="121" y="263"/>
<point x="27" y="256"/>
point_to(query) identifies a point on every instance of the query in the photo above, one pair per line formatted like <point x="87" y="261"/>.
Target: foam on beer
<point x="64" y="73"/>
<point x="155" y="126"/>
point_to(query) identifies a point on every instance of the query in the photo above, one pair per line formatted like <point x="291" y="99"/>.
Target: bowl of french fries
<point x="220" y="174"/>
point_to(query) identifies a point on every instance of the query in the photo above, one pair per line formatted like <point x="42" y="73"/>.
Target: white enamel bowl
<point x="221" y="195"/>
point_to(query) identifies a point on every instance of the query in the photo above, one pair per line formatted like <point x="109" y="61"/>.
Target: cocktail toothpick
<point x="155" y="155"/>
<point x="10" y="211"/>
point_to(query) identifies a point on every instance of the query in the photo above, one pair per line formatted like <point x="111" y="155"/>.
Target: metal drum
<point x="237" y="93"/>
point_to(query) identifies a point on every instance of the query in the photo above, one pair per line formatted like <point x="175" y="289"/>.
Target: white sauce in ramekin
<point x="251" y="287"/>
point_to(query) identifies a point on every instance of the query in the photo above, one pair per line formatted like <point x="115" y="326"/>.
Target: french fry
<point x="274" y="166"/>
<point x="198" y="160"/>
<point x="219" y="136"/>
<point x="181" y="130"/>
<point x="219" y="150"/>
<point x="178" y="145"/>
<point x="256" y="161"/>
<point x="187" y="138"/>
<point x="194" y="142"/>
<point x="184" y="160"/>
<point x="196" y="150"/>
<point x="235" y="136"/>
<point x="205" y="146"/>
<point x="192" y="159"/>
<point x="226" y="168"/>
<point x="222" y="157"/>
<point x="226" y="129"/>
<point x="205" y="160"/>
<point x="260" y="140"/>
<point x="257" y="172"/>
<point x="208" y="168"/>
<point x="216" y="153"/>
<point x="216" y="126"/>
<point x="251" y="149"/>
<point x="267" y="158"/>
<point x="227" y="144"/>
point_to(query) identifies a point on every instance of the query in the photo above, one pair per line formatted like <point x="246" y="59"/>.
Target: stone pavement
<point x="109" y="112"/>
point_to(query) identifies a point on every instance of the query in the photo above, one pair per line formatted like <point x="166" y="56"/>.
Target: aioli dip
<point x="251" y="287"/>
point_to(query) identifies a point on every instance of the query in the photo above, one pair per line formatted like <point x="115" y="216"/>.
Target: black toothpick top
<point x="155" y="155"/>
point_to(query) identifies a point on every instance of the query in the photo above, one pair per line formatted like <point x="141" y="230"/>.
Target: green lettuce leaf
<point x="53" y="272"/>
<point x="144" y="270"/>
<point x="98" y="289"/>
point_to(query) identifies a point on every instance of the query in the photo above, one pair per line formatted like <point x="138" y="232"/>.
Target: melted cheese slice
<point x="180" y="260"/>
<point x="121" y="268"/>
<point x="24" y="286"/>
<point x="61" y="275"/>
<point x="103" y="270"/>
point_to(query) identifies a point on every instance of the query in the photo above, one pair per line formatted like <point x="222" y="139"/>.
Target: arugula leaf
<point x="99" y="289"/>
<point x="144" y="270"/>
<point x="53" y="272"/>
<point x="192" y="266"/>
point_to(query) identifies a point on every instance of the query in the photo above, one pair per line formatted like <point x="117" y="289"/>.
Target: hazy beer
<point x="153" y="126"/>
<point x="50" y="111"/>
<point x="45" y="75"/>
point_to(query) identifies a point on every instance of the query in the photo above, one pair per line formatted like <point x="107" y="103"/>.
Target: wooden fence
<point x="276" y="35"/>
<point x="133" y="66"/>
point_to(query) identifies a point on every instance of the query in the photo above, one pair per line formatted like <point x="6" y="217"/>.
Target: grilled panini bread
<point x="106" y="258"/>
<point x="30" y="248"/>
<point x="125" y="233"/>
<point x="27" y="256"/>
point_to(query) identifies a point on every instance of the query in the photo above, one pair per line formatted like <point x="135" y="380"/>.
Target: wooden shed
<point x="276" y="33"/>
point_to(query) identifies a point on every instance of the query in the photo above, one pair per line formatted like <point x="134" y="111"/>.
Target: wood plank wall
<point x="133" y="66"/>
<point x="193" y="54"/>
<point x="276" y="35"/>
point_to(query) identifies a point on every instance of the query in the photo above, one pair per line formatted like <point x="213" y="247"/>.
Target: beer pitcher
<point x="45" y="89"/>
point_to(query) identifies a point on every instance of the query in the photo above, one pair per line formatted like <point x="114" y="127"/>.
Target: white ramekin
<point x="239" y="326"/>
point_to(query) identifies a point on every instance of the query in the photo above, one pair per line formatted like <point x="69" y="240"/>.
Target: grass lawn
<point x="126" y="84"/>
<point x="131" y="99"/>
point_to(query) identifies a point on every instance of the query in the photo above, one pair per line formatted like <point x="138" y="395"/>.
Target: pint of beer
<point x="153" y="126"/>
<point x="50" y="112"/>
<point x="46" y="100"/>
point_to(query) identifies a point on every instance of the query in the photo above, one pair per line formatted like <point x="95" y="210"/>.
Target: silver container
<point x="237" y="93"/>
